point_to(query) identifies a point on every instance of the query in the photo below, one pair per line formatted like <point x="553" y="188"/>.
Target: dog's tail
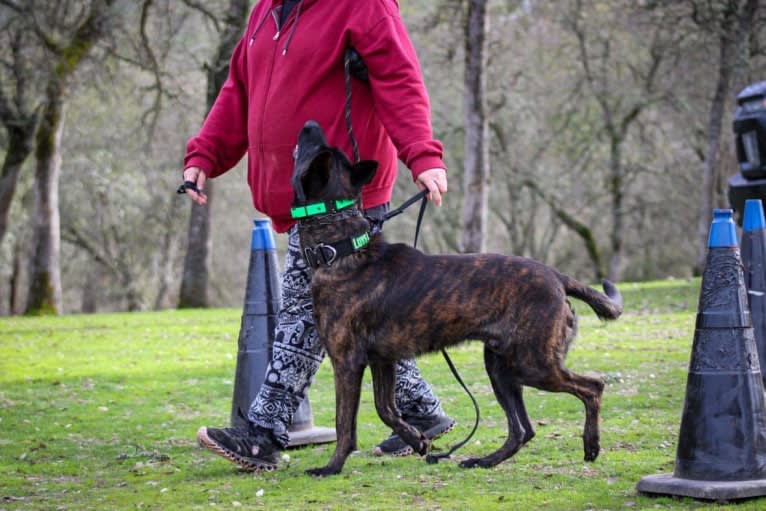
<point x="606" y="306"/>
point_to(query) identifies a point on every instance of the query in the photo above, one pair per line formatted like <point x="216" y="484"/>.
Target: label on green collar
<point x="360" y="241"/>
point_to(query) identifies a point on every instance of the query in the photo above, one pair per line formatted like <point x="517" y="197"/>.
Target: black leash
<point x="349" y="55"/>
<point x="434" y="458"/>
<point x="421" y="196"/>
<point x="353" y="65"/>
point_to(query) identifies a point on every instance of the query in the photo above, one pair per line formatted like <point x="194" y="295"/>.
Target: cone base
<point x="314" y="435"/>
<point x="667" y="484"/>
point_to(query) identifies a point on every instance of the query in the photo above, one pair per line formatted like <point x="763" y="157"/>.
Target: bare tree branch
<point x="197" y="6"/>
<point x="152" y="114"/>
<point x="580" y="228"/>
<point x="11" y="5"/>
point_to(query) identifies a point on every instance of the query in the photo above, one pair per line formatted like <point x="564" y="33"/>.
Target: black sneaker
<point x="432" y="427"/>
<point x="252" y="448"/>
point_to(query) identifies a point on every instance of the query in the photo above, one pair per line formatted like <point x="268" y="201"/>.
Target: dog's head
<point x="322" y="172"/>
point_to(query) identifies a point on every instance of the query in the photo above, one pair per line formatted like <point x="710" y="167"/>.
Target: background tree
<point x="194" y="283"/>
<point x="20" y="100"/>
<point x="732" y="23"/>
<point x="476" y="166"/>
<point x="623" y="83"/>
<point x="549" y="139"/>
<point x="68" y="32"/>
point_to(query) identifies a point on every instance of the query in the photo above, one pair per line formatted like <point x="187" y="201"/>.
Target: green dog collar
<point x="320" y="208"/>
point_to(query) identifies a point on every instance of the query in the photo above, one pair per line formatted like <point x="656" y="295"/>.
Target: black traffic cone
<point x="722" y="443"/>
<point x="256" y="336"/>
<point x="753" y="259"/>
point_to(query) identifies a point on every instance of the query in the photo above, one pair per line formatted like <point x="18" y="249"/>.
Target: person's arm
<point x="222" y="140"/>
<point x="401" y="100"/>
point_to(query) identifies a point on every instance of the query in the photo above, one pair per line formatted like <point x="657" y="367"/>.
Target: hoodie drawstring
<point x="258" y="28"/>
<point x="279" y="29"/>
<point x="295" y="25"/>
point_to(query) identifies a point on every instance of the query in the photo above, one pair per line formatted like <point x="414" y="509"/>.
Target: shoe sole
<point x="406" y="451"/>
<point x="247" y="464"/>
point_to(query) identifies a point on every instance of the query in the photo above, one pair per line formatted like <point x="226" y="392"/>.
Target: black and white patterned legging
<point x="297" y="353"/>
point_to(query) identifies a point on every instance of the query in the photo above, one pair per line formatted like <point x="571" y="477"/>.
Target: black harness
<point x="324" y="254"/>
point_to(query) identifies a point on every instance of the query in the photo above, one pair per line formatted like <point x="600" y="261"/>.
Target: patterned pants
<point x="297" y="353"/>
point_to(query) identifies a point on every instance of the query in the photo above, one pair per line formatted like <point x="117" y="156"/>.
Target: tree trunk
<point x="91" y="295"/>
<point x="194" y="281"/>
<point x="167" y="256"/>
<point x="20" y="146"/>
<point x="45" y="279"/>
<point x="727" y="52"/>
<point x="195" y="278"/>
<point x="18" y="273"/>
<point x="45" y="275"/>
<point x="616" y="179"/>
<point x="476" y="151"/>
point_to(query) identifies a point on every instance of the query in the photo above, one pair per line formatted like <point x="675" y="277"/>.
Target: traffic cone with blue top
<point x="263" y="299"/>
<point x="722" y="441"/>
<point x="754" y="263"/>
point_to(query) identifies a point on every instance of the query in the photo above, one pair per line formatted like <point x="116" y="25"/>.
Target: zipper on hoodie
<point x="276" y="22"/>
<point x="275" y="15"/>
<point x="267" y="91"/>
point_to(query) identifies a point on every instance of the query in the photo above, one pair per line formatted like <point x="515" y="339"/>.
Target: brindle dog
<point x="384" y="302"/>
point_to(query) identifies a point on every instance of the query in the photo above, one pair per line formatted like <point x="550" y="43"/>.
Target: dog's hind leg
<point x="348" y="385"/>
<point x="589" y="391"/>
<point x="508" y="392"/>
<point x="383" y="384"/>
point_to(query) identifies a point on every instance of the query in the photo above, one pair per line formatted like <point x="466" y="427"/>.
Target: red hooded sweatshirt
<point x="281" y="78"/>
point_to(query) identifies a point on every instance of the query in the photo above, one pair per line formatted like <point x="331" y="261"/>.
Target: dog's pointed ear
<point x="298" y="172"/>
<point x="362" y="172"/>
<point x="311" y="175"/>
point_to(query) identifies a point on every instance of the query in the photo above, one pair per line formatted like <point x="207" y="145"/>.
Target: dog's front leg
<point x="348" y="384"/>
<point x="384" y="384"/>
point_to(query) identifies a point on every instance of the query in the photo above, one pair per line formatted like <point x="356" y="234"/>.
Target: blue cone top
<point x="263" y="239"/>
<point x="723" y="233"/>
<point x="753" y="219"/>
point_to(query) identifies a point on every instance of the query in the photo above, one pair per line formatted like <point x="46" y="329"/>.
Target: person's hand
<point x="435" y="181"/>
<point x="198" y="177"/>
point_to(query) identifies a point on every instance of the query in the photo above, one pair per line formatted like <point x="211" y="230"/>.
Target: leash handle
<point x="423" y="204"/>
<point x="412" y="200"/>
<point x="420" y="196"/>
<point x="188" y="185"/>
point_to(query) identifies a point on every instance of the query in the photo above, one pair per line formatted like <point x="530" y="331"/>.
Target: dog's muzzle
<point x="320" y="255"/>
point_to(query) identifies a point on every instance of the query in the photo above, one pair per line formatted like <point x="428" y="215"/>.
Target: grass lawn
<point x="100" y="412"/>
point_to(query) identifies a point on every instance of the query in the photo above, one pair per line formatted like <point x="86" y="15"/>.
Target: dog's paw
<point x="591" y="453"/>
<point x="475" y="463"/>
<point x="323" y="472"/>
<point x="424" y="447"/>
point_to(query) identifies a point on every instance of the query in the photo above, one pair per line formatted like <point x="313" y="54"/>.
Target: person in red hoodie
<point x="287" y="69"/>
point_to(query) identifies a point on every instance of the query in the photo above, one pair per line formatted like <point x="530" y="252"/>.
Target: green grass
<point x="100" y="412"/>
